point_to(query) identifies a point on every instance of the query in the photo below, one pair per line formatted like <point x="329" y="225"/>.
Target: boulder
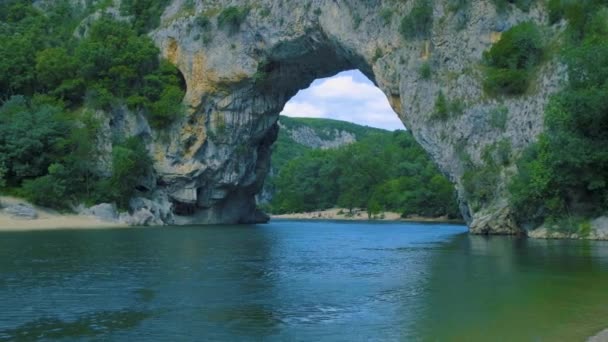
<point x="104" y="212"/>
<point x="141" y="217"/>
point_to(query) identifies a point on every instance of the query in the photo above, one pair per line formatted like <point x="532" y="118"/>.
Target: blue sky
<point x="347" y="96"/>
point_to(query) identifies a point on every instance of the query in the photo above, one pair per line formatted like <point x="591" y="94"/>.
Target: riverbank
<point x="359" y="215"/>
<point x="45" y="219"/>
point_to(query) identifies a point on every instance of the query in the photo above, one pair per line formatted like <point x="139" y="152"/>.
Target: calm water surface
<point x="299" y="281"/>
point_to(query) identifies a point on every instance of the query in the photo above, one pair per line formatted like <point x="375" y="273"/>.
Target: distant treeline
<point x="381" y="172"/>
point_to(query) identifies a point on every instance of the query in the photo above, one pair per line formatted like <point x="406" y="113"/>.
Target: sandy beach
<point x="358" y="215"/>
<point x="48" y="219"/>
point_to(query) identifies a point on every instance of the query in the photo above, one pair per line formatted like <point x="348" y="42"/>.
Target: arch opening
<point x="348" y="114"/>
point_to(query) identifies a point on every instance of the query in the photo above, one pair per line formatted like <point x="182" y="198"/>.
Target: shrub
<point x="445" y="109"/>
<point x="497" y="154"/>
<point x="232" y="17"/>
<point x="377" y="54"/>
<point x="386" y="14"/>
<point x="203" y="22"/>
<point x="511" y="62"/>
<point x="506" y="81"/>
<point x="167" y="108"/>
<point x="130" y="162"/>
<point x="50" y="190"/>
<point x="519" y="48"/>
<point x="441" y="107"/>
<point x="419" y="22"/>
<point x="480" y="184"/>
<point x="264" y="12"/>
<point x="426" y="71"/>
<point x="499" y="117"/>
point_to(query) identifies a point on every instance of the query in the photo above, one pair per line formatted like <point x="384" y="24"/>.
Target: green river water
<point x="299" y="281"/>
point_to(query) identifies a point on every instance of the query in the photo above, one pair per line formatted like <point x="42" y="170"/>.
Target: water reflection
<point x="518" y="289"/>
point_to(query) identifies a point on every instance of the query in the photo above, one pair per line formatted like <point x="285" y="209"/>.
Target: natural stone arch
<point x="239" y="79"/>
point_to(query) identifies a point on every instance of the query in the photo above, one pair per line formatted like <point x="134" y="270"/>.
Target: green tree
<point x="130" y="163"/>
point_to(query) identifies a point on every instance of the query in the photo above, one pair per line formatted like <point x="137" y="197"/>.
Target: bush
<point x="445" y="109"/>
<point x="419" y="22"/>
<point x="426" y="71"/>
<point x="499" y="117"/>
<point x="130" y="163"/>
<point x="520" y="47"/>
<point x="386" y="14"/>
<point x="511" y="62"/>
<point x="480" y="184"/>
<point x="50" y="190"/>
<point x="506" y="81"/>
<point x="232" y="17"/>
<point x="441" y="107"/>
<point x="167" y="108"/>
<point x="203" y="22"/>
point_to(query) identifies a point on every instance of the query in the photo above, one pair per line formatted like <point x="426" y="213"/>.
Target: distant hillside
<point x="300" y="135"/>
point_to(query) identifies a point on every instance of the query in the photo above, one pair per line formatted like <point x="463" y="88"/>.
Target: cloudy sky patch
<point x="347" y="96"/>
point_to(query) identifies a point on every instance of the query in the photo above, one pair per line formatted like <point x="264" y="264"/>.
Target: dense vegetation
<point x="286" y="149"/>
<point x="563" y="177"/>
<point x="53" y="69"/>
<point x="382" y="172"/>
<point x="512" y="61"/>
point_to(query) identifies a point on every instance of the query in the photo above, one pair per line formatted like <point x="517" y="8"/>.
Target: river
<point x="299" y="281"/>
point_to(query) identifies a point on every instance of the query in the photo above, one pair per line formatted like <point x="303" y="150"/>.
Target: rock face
<point x="596" y="229"/>
<point x="21" y="211"/>
<point x="104" y="212"/>
<point x="240" y="74"/>
<point x="308" y="137"/>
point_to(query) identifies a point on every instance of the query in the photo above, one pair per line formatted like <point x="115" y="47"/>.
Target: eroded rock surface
<point x="211" y="163"/>
<point x="21" y="211"/>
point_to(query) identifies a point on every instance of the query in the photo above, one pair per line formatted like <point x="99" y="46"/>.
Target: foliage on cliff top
<point x="110" y="65"/>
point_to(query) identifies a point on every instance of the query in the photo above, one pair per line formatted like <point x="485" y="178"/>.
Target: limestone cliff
<point x="240" y="73"/>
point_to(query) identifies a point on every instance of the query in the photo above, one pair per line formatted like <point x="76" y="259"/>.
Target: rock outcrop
<point x="105" y="212"/>
<point x="240" y="73"/>
<point x="21" y="211"/>
<point x="309" y="137"/>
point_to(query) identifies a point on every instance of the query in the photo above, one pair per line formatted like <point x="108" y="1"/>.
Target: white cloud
<point x="348" y="96"/>
<point x="303" y="109"/>
<point x="345" y="87"/>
